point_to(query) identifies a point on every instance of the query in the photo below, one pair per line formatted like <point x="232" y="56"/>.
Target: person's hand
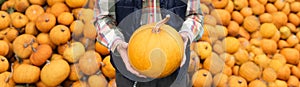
<point x="185" y="38"/>
<point x="122" y="49"/>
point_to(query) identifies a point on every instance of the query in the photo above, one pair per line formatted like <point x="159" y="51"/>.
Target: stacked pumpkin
<point x="51" y="43"/>
<point x="251" y="43"/>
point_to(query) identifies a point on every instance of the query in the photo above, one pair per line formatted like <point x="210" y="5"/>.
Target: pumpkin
<point x="77" y="12"/>
<point x="241" y="56"/>
<point x="220" y="80"/>
<point x="269" y="75"/>
<point x="112" y="83"/>
<point x="279" y="4"/>
<point x="294" y="19"/>
<point x="279" y="19"/>
<point x="37" y="2"/>
<point x="284" y="72"/>
<point x="22" y="45"/>
<point x="251" y="23"/>
<point x="202" y="78"/>
<point x="267" y="30"/>
<point x="158" y="59"/>
<point x="55" y="72"/>
<point x="7" y="4"/>
<point x="291" y="55"/>
<point x="76" y="28"/>
<point x="257" y="83"/>
<point x="10" y="33"/>
<point x="257" y="7"/>
<point x="31" y="29"/>
<point x="228" y="58"/>
<point x="296" y="71"/>
<point x="237" y="81"/>
<point x="19" y="20"/>
<point x="218" y="47"/>
<point x="86" y="15"/>
<point x="5" y="20"/>
<point x="204" y="8"/>
<point x="21" y="5"/>
<point x="281" y="83"/>
<point x="76" y="3"/>
<point x="89" y="31"/>
<point x="237" y="17"/>
<point x="4" y="64"/>
<point x="270" y="8"/>
<point x="239" y="4"/>
<point x="231" y="44"/>
<point x="33" y="11"/>
<point x="61" y="48"/>
<point x="295" y="6"/>
<point x="58" y="8"/>
<point x="194" y="63"/>
<point x="5" y="80"/>
<point x="265" y="18"/>
<point x="97" y="81"/>
<point x="74" y="52"/>
<point x="292" y="27"/>
<point x="223" y="16"/>
<point x="40" y="84"/>
<point x="26" y="73"/>
<point x="44" y="38"/>
<point x="107" y="68"/>
<point x="75" y="73"/>
<point x="246" y="11"/>
<point x="250" y="71"/>
<point x="276" y="36"/>
<point x="52" y="2"/>
<point x="286" y="9"/>
<point x="233" y="28"/>
<point x="203" y="49"/>
<point x="293" y="81"/>
<point x="276" y="64"/>
<point x="264" y="2"/>
<point x="214" y="63"/>
<point x="285" y="32"/>
<point x="262" y="60"/>
<point x="292" y="40"/>
<point x="40" y="54"/>
<point x="268" y="46"/>
<point x="235" y="70"/>
<point x="4" y="48"/>
<point x="209" y="19"/>
<point x="221" y="31"/>
<point x="65" y="18"/>
<point x="88" y="63"/>
<point x="45" y="22"/>
<point x="219" y="3"/>
<point x="60" y="34"/>
<point x="101" y="49"/>
<point x="230" y="6"/>
<point x="56" y="56"/>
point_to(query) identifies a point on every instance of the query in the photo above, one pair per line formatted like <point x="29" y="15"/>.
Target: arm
<point x="193" y="25"/>
<point x="107" y="32"/>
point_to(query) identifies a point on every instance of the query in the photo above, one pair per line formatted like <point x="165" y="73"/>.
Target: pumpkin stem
<point x="47" y="62"/>
<point x="87" y="43"/>
<point x="10" y="75"/>
<point x="18" y="59"/>
<point x="102" y="64"/>
<point x="25" y="45"/>
<point x="32" y="48"/>
<point x="47" y="20"/>
<point x="3" y="16"/>
<point x="99" y="72"/>
<point x="157" y="26"/>
<point x="2" y="59"/>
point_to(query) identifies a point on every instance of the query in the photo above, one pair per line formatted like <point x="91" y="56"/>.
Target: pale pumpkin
<point x="74" y="52"/>
<point x="4" y="64"/>
<point x="40" y="54"/>
<point x="97" y="81"/>
<point x="89" y="30"/>
<point x="55" y="72"/>
<point x="202" y="78"/>
<point x="88" y="63"/>
<point x="86" y="15"/>
<point x="60" y="34"/>
<point x="250" y="71"/>
<point x="76" y="28"/>
<point x="220" y="80"/>
<point x="26" y="73"/>
<point x="163" y="52"/>
<point x="22" y="45"/>
<point x="223" y="16"/>
<point x="107" y="68"/>
<point x="214" y="64"/>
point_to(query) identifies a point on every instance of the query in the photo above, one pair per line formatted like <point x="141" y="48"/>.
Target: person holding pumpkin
<point x="116" y="20"/>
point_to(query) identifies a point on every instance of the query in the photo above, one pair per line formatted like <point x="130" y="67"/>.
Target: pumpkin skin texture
<point x="4" y="64"/>
<point x="33" y="11"/>
<point x="60" y="34"/>
<point x="3" y="82"/>
<point x="22" y="47"/>
<point x="41" y="54"/>
<point x="5" y="19"/>
<point x="97" y="81"/>
<point x="76" y="3"/>
<point x="26" y="73"/>
<point x="45" y="22"/>
<point x="157" y="56"/>
<point x="74" y="52"/>
<point x="4" y="48"/>
<point x="55" y="72"/>
<point x="88" y="63"/>
<point x="19" y="20"/>
<point x="202" y="78"/>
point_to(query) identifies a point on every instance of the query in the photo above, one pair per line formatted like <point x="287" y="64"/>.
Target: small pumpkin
<point x="279" y="19"/>
<point x="44" y="38"/>
<point x="37" y="2"/>
<point x="33" y="11"/>
<point x="250" y="71"/>
<point x="257" y="83"/>
<point x="223" y="16"/>
<point x="107" y="68"/>
<point x="294" y="19"/>
<point x="262" y="60"/>
<point x="243" y="33"/>
<point x="30" y="28"/>
<point x="204" y="8"/>
<point x="45" y="22"/>
<point x="202" y="78"/>
<point x="89" y="31"/>
<point x="285" y="32"/>
<point x="75" y="73"/>
<point x="257" y="7"/>
<point x="40" y="54"/>
<point x="22" y="45"/>
<point x="55" y="72"/>
<point x="76" y="28"/>
<point x="52" y="2"/>
<point x="26" y="73"/>
<point x="237" y="17"/>
<point x="231" y="44"/>
<point x="284" y="72"/>
<point x="86" y="15"/>
<point x="241" y="56"/>
<point x="246" y="11"/>
<point x="293" y="81"/>
<point x="6" y="80"/>
<point x="269" y="75"/>
<point x="270" y="8"/>
<point x="218" y="47"/>
<point x="10" y="33"/>
<point x="73" y="52"/>
<point x="233" y="28"/>
<point x="76" y="3"/>
<point x="281" y="83"/>
<point x="19" y="20"/>
<point x="295" y="6"/>
<point x="267" y="30"/>
<point x="265" y="18"/>
<point x="292" y="55"/>
<point x="4" y="48"/>
<point x="209" y="19"/>
<point x="286" y="9"/>
<point x="292" y="40"/>
<point x="5" y="20"/>
<point x="239" y="4"/>
<point x="4" y="64"/>
<point x="220" y="3"/>
<point x="276" y="64"/>
<point x="58" y="8"/>
<point x="88" y="63"/>
<point x="251" y="23"/>
<point x="97" y="81"/>
<point x="237" y="81"/>
<point x="21" y="5"/>
<point x="65" y="18"/>
<point x="214" y="63"/>
<point x="203" y="49"/>
<point x="101" y="49"/>
<point x="60" y="34"/>
<point x="268" y="46"/>
<point x="292" y="27"/>
<point x="264" y="2"/>
<point x="220" y="80"/>
<point x="112" y="83"/>
<point x="230" y="6"/>
<point x="235" y="70"/>
<point x="61" y="48"/>
<point x="279" y="4"/>
<point x="56" y="56"/>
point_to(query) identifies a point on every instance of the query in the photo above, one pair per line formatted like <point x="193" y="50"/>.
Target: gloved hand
<point x="184" y="36"/>
<point x="122" y="49"/>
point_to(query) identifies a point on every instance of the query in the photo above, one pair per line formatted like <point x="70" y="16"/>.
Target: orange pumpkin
<point x="101" y="49"/>
<point x="26" y="73"/>
<point x="279" y="19"/>
<point x="107" y="69"/>
<point x="65" y="18"/>
<point x="230" y="6"/>
<point x="5" y="80"/>
<point x="269" y="75"/>
<point x="19" y="20"/>
<point x="223" y="16"/>
<point x="293" y="81"/>
<point x="40" y="54"/>
<point x="52" y="2"/>
<point x="251" y="23"/>
<point x="268" y="46"/>
<point x="21" y="5"/>
<point x="202" y="78"/>
<point x="55" y="72"/>
<point x="231" y="44"/>
<point x="31" y="29"/>
<point x="4" y="48"/>
<point x="246" y="11"/>
<point x="162" y="56"/>
<point x="265" y="18"/>
<point x="88" y="63"/>
<point x="284" y="72"/>
<point x="219" y="3"/>
<point x="60" y="34"/>
<point x="237" y="81"/>
<point x="76" y="3"/>
<point x="77" y="28"/>
<point x="10" y="33"/>
<point x="239" y="4"/>
<point x="203" y="49"/>
<point x="292" y="55"/>
<point x="45" y="22"/>
<point x="250" y="71"/>
<point x="22" y="45"/>
<point x="37" y="2"/>
<point x="237" y="17"/>
<point x="97" y="81"/>
<point x="33" y="11"/>
<point x="295" y="6"/>
<point x="73" y="52"/>
<point x="257" y="83"/>
<point x="44" y="38"/>
<point x="5" y="20"/>
<point x="4" y="64"/>
<point x="75" y="73"/>
<point x="233" y="28"/>
<point x="58" y="8"/>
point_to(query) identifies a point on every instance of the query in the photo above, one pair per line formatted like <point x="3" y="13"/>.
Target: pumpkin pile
<point x="47" y="43"/>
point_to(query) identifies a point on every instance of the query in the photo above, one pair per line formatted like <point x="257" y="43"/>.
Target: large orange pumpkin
<point x="158" y="55"/>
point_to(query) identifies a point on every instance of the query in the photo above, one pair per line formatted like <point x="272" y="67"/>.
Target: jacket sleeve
<point x="105" y="23"/>
<point x="193" y="25"/>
